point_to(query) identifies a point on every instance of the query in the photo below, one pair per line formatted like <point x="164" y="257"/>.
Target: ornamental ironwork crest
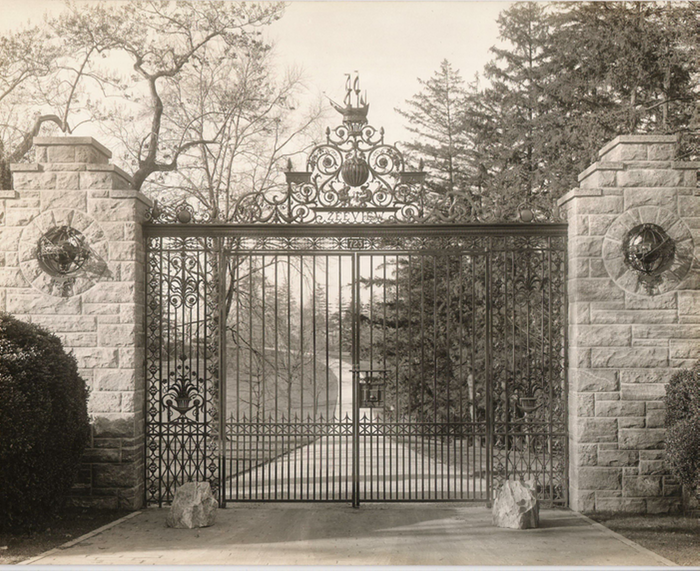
<point x="355" y="177"/>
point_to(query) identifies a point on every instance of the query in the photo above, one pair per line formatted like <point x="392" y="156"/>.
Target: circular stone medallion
<point x="63" y="252"/>
<point x="648" y="250"/>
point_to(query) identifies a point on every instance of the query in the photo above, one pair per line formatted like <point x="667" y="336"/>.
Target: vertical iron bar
<point x="355" y="381"/>
<point x="277" y="378"/>
<point x="221" y="306"/>
<point x="489" y="378"/>
<point x="328" y="392"/>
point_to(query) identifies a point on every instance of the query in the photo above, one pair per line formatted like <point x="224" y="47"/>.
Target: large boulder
<point x="194" y="506"/>
<point x="516" y="506"/>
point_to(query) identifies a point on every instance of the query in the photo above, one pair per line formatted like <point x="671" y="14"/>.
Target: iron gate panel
<point x="182" y="364"/>
<point x="465" y="328"/>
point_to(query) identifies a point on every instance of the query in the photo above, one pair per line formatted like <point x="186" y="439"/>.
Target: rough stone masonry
<point x="625" y="342"/>
<point x="99" y="317"/>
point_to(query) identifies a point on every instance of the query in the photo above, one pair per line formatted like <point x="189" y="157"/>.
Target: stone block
<point x="115" y="380"/>
<point x="93" y="502"/>
<point x="603" y="396"/>
<point x="96" y="357"/>
<point x="100" y="309"/>
<point x="78" y="339"/>
<point x="111" y="210"/>
<point x="35" y="303"/>
<point x="666" y="301"/>
<point x="60" y="154"/>
<point x="638" y="357"/>
<point x="105" y="402"/>
<point x="131" y="357"/>
<point x="617" y="458"/>
<point x="641" y="438"/>
<point x="642" y="392"/>
<point x="582" y="501"/>
<point x="664" y="505"/>
<point x="599" y="478"/>
<point x="585" y="454"/>
<point x="593" y="380"/>
<point x="619" y="408"/>
<point x="113" y="426"/>
<point x="132" y="401"/>
<point x="633" y="316"/>
<point x="594" y="289"/>
<point x="600" y="205"/>
<point x="684" y="349"/>
<point x="34" y="181"/>
<point x="591" y="430"/>
<point x="626" y="505"/>
<point x="97" y="180"/>
<point x="689" y="303"/>
<point x="599" y="178"/>
<point x="116" y="335"/>
<point x="586" y="246"/>
<point x="664" y="197"/>
<point x="20" y="216"/>
<point x="647" y="455"/>
<point x="63" y="199"/>
<point x="643" y="376"/>
<point x="12" y="277"/>
<point x="113" y="475"/>
<point x="652" y="467"/>
<point x="633" y="177"/>
<point x="101" y="455"/>
<point x="689" y="206"/>
<point x="655" y="418"/>
<point x="602" y="335"/>
<point x="631" y="422"/>
<point x="122" y="251"/>
<point x="132" y="453"/>
<point x="641" y="486"/>
<point x="110" y="292"/>
<point x="584" y="404"/>
<point x="677" y="331"/>
<point x="597" y="268"/>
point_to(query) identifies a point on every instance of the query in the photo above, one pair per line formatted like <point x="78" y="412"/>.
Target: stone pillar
<point x="96" y="308"/>
<point x="628" y="337"/>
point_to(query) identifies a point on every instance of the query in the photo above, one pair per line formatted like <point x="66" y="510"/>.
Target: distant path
<point x="388" y="468"/>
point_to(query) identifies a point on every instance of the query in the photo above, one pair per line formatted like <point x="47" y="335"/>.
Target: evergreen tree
<point x="518" y="103"/>
<point x="436" y="116"/>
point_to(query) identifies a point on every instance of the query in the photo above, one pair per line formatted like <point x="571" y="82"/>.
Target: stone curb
<point x="626" y="541"/>
<point x="73" y="542"/>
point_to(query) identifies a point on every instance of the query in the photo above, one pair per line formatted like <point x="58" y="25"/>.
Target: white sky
<point x="391" y="44"/>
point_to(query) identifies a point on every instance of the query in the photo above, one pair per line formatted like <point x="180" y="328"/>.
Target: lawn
<point x="674" y="537"/>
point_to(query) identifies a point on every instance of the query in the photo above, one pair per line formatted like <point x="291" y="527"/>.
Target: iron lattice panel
<point x="182" y="365"/>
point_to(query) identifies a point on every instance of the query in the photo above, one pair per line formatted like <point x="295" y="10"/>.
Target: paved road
<point x="337" y="534"/>
<point x="388" y="469"/>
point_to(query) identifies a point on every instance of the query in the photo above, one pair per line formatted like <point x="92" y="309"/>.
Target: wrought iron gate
<point x="355" y="338"/>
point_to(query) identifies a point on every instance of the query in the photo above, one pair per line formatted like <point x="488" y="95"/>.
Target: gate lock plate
<point x="372" y="383"/>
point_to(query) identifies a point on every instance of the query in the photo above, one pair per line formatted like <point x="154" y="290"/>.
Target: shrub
<point x="683" y="426"/>
<point x="44" y="425"/>
<point x="683" y="452"/>
<point x="683" y="396"/>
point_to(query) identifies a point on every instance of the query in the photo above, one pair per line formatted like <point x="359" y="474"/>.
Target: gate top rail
<point x="357" y="178"/>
